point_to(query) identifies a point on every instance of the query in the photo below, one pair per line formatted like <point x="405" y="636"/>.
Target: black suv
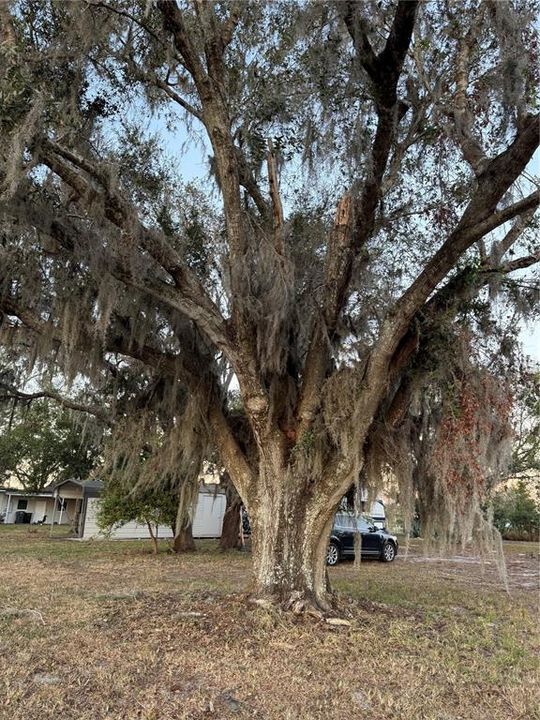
<point x="376" y="543"/>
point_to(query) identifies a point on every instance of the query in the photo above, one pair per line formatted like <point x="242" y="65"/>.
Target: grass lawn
<point x="107" y="631"/>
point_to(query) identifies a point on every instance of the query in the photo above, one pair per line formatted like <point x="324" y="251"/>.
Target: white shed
<point x="207" y="520"/>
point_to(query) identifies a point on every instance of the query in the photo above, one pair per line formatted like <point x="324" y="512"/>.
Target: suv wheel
<point x="332" y="554"/>
<point x="388" y="552"/>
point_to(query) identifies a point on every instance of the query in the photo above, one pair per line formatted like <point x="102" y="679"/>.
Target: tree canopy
<point x="368" y="204"/>
<point x="516" y="510"/>
<point x="41" y="444"/>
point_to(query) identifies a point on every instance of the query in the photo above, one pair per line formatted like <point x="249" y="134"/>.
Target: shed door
<point x="208" y="518"/>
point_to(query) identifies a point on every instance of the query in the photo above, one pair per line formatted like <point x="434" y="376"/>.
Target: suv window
<point x="344" y="521"/>
<point x="348" y="521"/>
<point x="363" y="525"/>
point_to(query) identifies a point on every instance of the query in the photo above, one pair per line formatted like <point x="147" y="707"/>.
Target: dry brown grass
<point x="104" y="631"/>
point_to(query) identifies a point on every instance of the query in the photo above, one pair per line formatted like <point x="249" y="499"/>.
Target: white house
<point x="19" y="506"/>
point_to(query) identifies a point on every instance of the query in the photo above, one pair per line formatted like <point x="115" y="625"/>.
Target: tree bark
<point x="153" y="536"/>
<point x="183" y="540"/>
<point x="183" y="532"/>
<point x="289" y="555"/>
<point x="290" y="530"/>
<point x="230" y="533"/>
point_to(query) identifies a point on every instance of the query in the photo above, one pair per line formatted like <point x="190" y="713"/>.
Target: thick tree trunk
<point x="183" y="540"/>
<point x="290" y="559"/>
<point x="290" y="532"/>
<point x="230" y="533"/>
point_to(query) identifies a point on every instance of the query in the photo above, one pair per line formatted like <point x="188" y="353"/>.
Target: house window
<point x="22" y="504"/>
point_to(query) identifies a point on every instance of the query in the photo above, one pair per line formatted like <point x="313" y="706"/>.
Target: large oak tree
<point x="368" y="175"/>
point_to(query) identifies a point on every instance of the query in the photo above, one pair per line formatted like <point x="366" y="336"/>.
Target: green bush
<point x="121" y="503"/>
<point x="516" y="514"/>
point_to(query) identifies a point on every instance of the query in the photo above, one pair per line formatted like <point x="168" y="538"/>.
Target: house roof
<point x="81" y="483"/>
<point x="25" y="493"/>
<point x="93" y="488"/>
<point x="11" y="489"/>
<point x="90" y="487"/>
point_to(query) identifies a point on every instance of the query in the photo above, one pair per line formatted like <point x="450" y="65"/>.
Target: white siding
<point x="40" y="510"/>
<point x="3" y="502"/>
<point x="31" y="504"/>
<point x="41" y="506"/>
<point x="208" y="518"/>
<point x="207" y="521"/>
<point x="129" y="531"/>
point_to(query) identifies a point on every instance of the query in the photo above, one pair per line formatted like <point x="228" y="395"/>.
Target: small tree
<point x="120" y="505"/>
<point x="515" y="513"/>
<point x="152" y="455"/>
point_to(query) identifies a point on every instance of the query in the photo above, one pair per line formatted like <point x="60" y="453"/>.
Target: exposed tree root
<point x="298" y="603"/>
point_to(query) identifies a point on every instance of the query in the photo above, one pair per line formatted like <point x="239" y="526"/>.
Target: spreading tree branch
<point x="11" y="392"/>
<point x="479" y="218"/>
<point x="463" y="119"/>
<point x="355" y="222"/>
<point x="209" y="79"/>
<point x="276" y="199"/>
<point x="164" y="363"/>
<point x="460" y="289"/>
<point x="385" y="68"/>
<point x="189" y="293"/>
